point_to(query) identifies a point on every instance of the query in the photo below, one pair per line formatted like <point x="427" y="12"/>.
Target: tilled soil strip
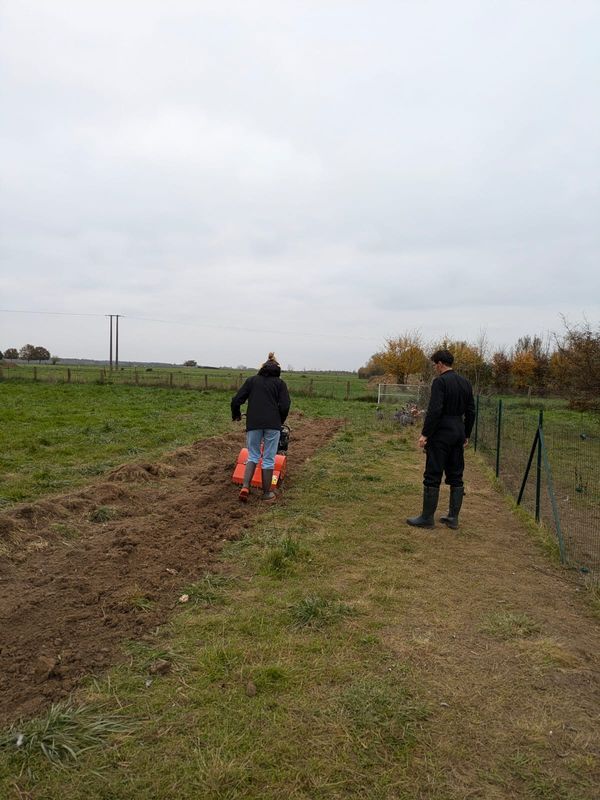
<point x="72" y="590"/>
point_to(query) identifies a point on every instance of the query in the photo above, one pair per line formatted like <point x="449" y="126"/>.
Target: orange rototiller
<point x="279" y="469"/>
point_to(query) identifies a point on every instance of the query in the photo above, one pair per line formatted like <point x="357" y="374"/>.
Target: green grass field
<point x="316" y="667"/>
<point x="320" y="384"/>
<point x="56" y="436"/>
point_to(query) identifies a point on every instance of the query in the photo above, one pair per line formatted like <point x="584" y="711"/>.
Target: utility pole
<point x="117" y="343"/>
<point x="111" y="341"/>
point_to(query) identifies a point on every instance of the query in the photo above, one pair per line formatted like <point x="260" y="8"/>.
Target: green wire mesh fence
<point x="550" y="463"/>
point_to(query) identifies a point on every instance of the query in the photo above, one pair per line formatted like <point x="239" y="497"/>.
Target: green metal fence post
<point x="529" y="462"/>
<point x="538" y="477"/>
<point x="476" y="424"/>
<point x="499" y="437"/>
<point x="550" y="487"/>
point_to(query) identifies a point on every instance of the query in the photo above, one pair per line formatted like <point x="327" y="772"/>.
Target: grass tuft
<point x="317" y="612"/>
<point x="510" y="625"/>
<point x="103" y="514"/>
<point x="270" y="678"/>
<point x="221" y="661"/>
<point x="62" y="735"/>
<point x="142" y="603"/>
<point x="279" y="561"/>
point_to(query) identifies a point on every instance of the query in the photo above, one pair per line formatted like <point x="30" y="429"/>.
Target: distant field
<point x="55" y="436"/>
<point x="333" y="385"/>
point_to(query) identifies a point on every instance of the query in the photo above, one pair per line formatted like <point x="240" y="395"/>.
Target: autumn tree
<point x="374" y="366"/>
<point x="523" y="370"/>
<point x="501" y="370"/>
<point x="402" y="356"/>
<point x="578" y="358"/>
<point x="469" y="359"/>
<point x="11" y="352"/>
<point x="530" y="363"/>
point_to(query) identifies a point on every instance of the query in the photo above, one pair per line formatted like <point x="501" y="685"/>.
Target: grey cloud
<point x="348" y="167"/>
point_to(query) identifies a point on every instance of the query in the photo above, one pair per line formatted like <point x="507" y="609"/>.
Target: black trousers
<point x="445" y="453"/>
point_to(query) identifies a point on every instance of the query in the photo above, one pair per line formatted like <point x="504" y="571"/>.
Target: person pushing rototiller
<point x="268" y="406"/>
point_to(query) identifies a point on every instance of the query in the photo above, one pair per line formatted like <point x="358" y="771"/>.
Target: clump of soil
<point x="70" y="587"/>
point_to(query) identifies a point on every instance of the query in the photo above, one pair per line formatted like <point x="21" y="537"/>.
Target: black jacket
<point x="451" y="396"/>
<point x="268" y="399"/>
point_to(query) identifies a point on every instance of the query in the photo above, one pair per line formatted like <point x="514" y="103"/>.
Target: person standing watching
<point x="268" y="406"/>
<point x="446" y="431"/>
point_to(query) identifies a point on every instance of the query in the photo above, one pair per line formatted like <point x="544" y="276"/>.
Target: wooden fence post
<point x="206" y="381"/>
<point x="171" y="380"/>
<point x="68" y="374"/>
<point x="310" y="387"/>
<point x="35" y="373"/>
<point x="348" y="391"/>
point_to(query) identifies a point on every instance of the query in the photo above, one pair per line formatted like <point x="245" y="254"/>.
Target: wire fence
<point x="550" y="463"/>
<point x="340" y="387"/>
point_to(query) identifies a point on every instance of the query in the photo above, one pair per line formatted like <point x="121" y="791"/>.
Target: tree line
<point x="566" y="363"/>
<point x="28" y="352"/>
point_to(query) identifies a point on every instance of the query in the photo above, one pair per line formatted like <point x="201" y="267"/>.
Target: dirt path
<point x="73" y="590"/>
<point x="501" y="697"/>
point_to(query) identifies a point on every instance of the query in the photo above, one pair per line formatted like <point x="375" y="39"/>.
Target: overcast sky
<point x="309" y="177"/>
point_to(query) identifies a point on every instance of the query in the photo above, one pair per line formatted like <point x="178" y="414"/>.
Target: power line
<point x="55" y="313"/>
<point x="279" y="332"/>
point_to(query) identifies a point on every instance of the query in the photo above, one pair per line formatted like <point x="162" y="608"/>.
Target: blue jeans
<point x="271" y="440"/>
